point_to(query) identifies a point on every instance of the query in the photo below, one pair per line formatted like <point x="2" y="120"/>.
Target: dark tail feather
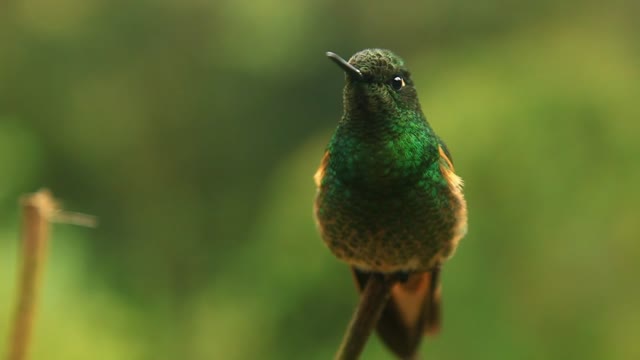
<point x="413" y="310"/>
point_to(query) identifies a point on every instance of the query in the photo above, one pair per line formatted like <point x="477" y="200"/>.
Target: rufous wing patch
<point x="448" y="171"/>
<point x="455" y="184"/>
<point x="319" y="175"/>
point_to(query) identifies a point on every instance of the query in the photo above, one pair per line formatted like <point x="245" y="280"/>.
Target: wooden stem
<point x="37" y="210"/>
<point x="372" y="301"/>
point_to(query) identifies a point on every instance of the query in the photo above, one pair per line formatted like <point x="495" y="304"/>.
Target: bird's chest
<point x="382" y="202"/>
<point x="382" y="228"/>
<point x="390" y="195"/>
<point x="391" y="165"/>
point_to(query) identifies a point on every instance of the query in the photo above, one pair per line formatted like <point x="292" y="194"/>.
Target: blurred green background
<point x="192" y="130"/>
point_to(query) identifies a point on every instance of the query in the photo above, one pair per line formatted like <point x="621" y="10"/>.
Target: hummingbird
<point x="388" y="199"/>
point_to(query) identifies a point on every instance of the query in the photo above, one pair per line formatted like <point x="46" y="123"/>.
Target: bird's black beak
<point x="348" y="68"/>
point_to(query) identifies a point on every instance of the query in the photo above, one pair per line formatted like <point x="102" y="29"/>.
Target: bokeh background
<point x="192" y="130"/>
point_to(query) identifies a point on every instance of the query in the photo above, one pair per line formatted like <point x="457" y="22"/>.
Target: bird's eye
<point x="397" y="83"/>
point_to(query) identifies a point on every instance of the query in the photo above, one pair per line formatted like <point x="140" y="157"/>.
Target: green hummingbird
<point x="389" y="200"/>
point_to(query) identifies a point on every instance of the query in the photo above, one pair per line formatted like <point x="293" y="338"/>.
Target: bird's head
<point x="378" y="83"/>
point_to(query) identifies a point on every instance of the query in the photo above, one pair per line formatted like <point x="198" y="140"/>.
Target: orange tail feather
<point x="413" y="310"/>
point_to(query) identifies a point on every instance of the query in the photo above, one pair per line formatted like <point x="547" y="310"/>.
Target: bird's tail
<point x="412" y="311"/>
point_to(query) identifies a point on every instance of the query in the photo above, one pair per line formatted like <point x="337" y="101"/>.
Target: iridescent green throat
<point x="383" y="151"/>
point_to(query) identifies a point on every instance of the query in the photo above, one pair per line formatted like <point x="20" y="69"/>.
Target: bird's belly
<point x="412" y="230"/>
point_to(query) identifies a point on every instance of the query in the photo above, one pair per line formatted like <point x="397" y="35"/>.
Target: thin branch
<point x="373" y="299"/>
<point x="38" y="211"/>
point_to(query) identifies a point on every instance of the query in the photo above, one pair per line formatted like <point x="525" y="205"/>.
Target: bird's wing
<point x="446" y="150"/>
<point x="319" y="175"/>
<point x="412" y="311"/>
